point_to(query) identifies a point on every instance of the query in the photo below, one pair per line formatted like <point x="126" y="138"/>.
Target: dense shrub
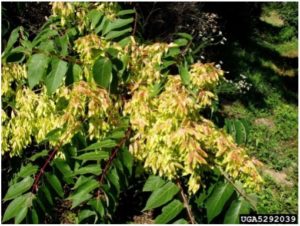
<point x="85" y="103"/>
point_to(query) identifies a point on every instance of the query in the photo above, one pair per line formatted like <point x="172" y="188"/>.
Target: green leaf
<point x="241" y="135"/>
<point x="73" y="74"/>
<point x="11" y="41"/>
<point x="102" y="25"/>
<point x="81" y="180"/>
<point x="185" y="75"/>
<point x="102" y="72"/>
<point x="47" y="194"/>
<point x="83" y="214"/>
<point x="80" y="198"/>
<point x="97" y="205"/>
<point x="236" y="208"/>
<point x="107" y="143"/>
<point x="54" y="135"/>
<point x="124" y="42"/>
<point x="47" y="46"/>
<point x="156" y="89"/>
<point x="97" y="155"/>
<point x="62" y="43"/>
<point x="94" y="17"/>
<point x="55" y="183"/>
<point x="82" y="193"/>
<point x="18" y="188"/>
<point x="43" y="36"/>
<point x="65" y="169"/>
<point x="90" y="169"/>
<point x="28" y="170"/>
<point x="117" y="134"/>
<point x="181" y="221"/>
<point x="116" y="24"/>
<point x="37" y="66"/>
<point x="153" y="183"/>
<point x="185" y="35"/>
<point x="127" y="160"/>
<point x="88" y="186"/>
<point x="56" y="76"/>
<point x="125" y="12"/>
<point x="161" y="196"/>
<point x="16" y="206"/>
<point x="181" y="42"/>
<point x="113" y="177"/>
<point x="216" y="201"/>
<point x="39" y="155"/>
<point x="169" y="212"/>
<point x="172" y="52"/>
<point x="34" y="217"/>
<point x="21" y="215"/>
<point x="116" y="34"/>
<point x="167" y="63"/>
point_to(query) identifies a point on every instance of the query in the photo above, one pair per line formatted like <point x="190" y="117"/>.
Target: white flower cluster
<point x="242" y="85"/>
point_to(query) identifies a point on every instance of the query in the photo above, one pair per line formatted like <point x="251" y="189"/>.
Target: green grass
<point x="273" y="18"/>
<point x="271" y="108"/>
<point x="285" y="49"/>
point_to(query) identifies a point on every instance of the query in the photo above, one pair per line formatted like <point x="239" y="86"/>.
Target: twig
<point x="186" y="48"/>
<point x="237" y="189"/>
<point x="112" y="157"/>
<point x="135" y="23"/>
<point x="42" y="170"/>
<point x="186" y="203"/>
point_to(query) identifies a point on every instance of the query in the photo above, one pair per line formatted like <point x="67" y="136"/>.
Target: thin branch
<point x="42" y="170"/>
<point x="186" y="203"/>
<point x="135" y="23"/>
<point x="112" y="157"/>
<point x="237" y="189"/>
<point x="47" y="162"/>
<point x="186" y="48"/>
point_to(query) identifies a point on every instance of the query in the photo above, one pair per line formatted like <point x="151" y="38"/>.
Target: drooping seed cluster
<point x="173" y="139"/>
<point x="34" y="115"/>
<point x="76" y="13"/>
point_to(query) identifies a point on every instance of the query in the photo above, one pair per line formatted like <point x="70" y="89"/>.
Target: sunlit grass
<point x="273" y="18"/>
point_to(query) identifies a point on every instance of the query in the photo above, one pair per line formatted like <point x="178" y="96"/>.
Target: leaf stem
<point x="237" y="189"/>
<point x="186" y="203"/>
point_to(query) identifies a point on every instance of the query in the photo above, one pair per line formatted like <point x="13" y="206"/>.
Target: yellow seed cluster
<point x="92" y="104"/>
<point x="173" y="139"/>
<point x="11" y="72"/>
<point x="145" y="62"/>
<point x="109" y="9"/>
<point x="32" y="116"/>
<point x="63" y="9"/>
<point x="86" y="46"/>
<point x="77" y="12"/>
<point x="35" y="115"/>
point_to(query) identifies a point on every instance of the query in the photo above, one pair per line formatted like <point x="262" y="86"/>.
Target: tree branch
<point x="112" y="157"/>
<point x="186" y="203"/>
<point x="42" y="170"/>
<point x="48" y="160"/>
